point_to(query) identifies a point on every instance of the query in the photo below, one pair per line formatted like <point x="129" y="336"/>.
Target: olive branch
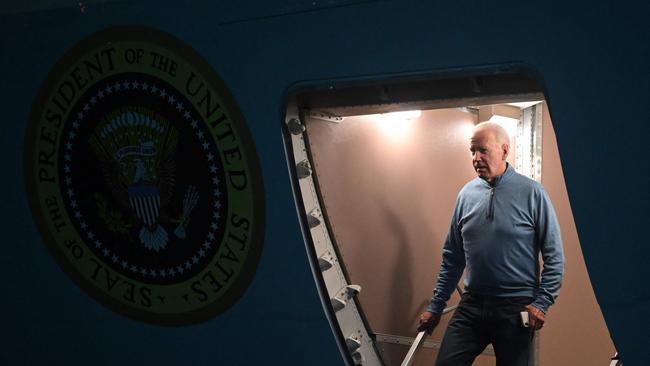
<point x="112" y="219"/>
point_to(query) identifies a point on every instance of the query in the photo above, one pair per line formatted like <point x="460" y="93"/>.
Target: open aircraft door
<point x="376" y="168"/>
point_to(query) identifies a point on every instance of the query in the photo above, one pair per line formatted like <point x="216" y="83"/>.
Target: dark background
<point x="592" y="58"/>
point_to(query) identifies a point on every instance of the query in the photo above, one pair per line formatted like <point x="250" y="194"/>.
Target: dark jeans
<point x="481" y="320"/>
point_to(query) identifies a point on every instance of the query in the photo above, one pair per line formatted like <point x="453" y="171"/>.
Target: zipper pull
<point x="491" y="207"/>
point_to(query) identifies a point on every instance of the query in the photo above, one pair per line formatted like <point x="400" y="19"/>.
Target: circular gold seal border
<point x="145" y="34"/>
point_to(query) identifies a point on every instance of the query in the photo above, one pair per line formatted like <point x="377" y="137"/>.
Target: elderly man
<point x="501" y="222"/>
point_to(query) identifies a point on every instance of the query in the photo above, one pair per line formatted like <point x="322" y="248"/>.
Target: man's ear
<point x="506" y="149"/>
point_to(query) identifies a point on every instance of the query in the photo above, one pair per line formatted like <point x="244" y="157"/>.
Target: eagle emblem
<point x="136" y="149"/>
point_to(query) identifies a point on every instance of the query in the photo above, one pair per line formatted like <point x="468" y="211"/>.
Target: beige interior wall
<point x="389" y="201"/>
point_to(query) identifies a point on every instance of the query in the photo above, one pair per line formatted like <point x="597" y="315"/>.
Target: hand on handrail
<point x="428" y="321"/>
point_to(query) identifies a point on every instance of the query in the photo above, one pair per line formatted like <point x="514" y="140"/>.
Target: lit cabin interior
<point x="387" y="179"/>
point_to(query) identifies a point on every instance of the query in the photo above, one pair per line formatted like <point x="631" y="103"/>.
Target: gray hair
<point x="499" y="132"/>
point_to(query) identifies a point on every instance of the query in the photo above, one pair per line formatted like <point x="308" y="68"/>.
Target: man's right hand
<point x="428" y="321"/>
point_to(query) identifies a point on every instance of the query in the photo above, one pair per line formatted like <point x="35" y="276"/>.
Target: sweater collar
<point x="500" y="178"/>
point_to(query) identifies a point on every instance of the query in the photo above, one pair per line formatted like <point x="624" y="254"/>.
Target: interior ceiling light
<point x="523" y="105"/>
<point x="396" y="126"/>
<point x="402" y="115"/>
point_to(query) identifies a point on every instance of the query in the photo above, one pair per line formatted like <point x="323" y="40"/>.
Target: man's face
<point x="488" y="156"/>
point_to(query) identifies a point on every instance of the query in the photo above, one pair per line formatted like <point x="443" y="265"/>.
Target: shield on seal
<point x="145" y="200"/>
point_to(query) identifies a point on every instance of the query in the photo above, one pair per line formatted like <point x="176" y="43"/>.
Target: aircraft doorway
<point x="376" y="184"/>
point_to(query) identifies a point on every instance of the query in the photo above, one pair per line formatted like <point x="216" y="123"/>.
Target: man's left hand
<point x="536" y="317"/>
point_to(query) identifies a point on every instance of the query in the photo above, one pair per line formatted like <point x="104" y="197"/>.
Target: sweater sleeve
<point x="549" y="239"/>
<point x="453" y="264"/>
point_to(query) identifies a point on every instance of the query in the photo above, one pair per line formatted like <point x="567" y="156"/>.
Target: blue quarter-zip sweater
<point x="497" y="232"/>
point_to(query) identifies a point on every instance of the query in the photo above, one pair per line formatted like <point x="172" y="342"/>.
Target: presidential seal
<point x="143" y="179"/>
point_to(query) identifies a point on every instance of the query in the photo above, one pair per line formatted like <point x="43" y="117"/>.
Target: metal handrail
<point x="615" y="360"/>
